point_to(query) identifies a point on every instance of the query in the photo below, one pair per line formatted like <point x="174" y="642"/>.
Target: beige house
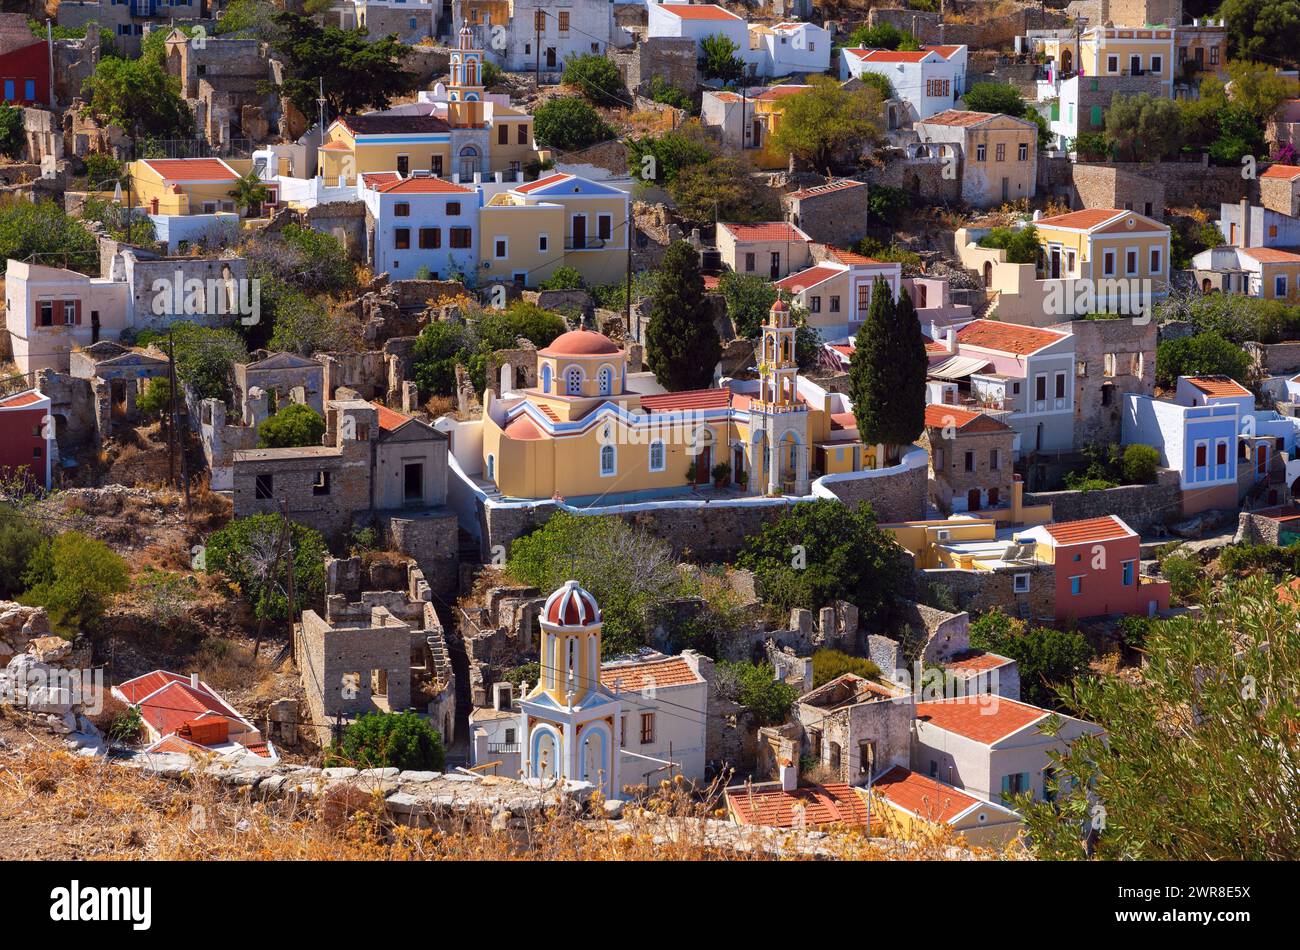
<point x="836" y="291"/>
<point x="51" y="310"/>
<point x="181" y="186"/>
<point x="770" y="249"/>
<point x="998" y="154"/>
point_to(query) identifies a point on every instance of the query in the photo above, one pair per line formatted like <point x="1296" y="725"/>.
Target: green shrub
<point x="1140" y="464"/>
<point x="828" y="664"/>
<point x="244" y="551"/>
<point x="753" y="686"/>
<point x="74" y="578"/>
<point x="1021" y="244"/>
<point x="20" y="539"/>
<point x="296" y="424"/>
<point x="563" y="278"/>
<point x="597" y="77"/>
<point x="1047" y="659"/>
<point x="1184" y="576"/>
<point x="1206" y="354"/>
<point x="390" y="740"/>
<point x="569" y="124"/>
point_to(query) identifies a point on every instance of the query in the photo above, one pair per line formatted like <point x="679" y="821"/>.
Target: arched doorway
<point x="1206" y="286"/>
<point x="988" y="273"/>
<point x="973" y="500"/>
<point x="469" y="165"/>
<point x="1067" y="61"/>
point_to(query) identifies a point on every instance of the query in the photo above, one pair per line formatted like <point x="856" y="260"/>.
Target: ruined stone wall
<point x="995" y="32"/>
<point x="979" y="591"/>
<point x="1142" y="507"/>
<point x="1130" y="348"/>
<point x="432" y="539"/>
<point x="1109" y="186"/>
<point x="1274" y="359"/>
<point x="673" y="58"/>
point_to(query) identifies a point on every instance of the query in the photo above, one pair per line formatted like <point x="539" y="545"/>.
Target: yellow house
<point x="999" y="153"/>
<point x="530" y="230"/>
<point x="590" y="429"/>
<point x="358" y="144"/>
<point x="1117" y="51"/>
<point x="182" y="186"/>
<point x="912" y="806"/>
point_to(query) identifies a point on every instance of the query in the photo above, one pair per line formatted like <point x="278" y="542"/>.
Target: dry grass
<point x="56" y="806"/>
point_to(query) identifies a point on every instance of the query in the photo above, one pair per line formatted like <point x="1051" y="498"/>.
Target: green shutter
<point x="1096" y="115"/>
<point x="1056" y="111"/>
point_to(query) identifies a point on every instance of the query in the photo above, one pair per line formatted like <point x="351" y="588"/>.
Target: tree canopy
<point x="1045" y="658"/>
<point x="43" y="230"/>
<point x="887" y="370"/>
<point x="596" y="77"/>
<point x="358" y="73"/>
<point x="721" y="189"/>
<point x="1205" y="354"/>
<point x="244" y="552"/>
<point x="569" y="124"/>
<point x="829" y="122"/>
<point x="1144" y="127"/>
<point x="682" y="344"/>
<point x="390" y="740"/>
<point x="1262" y="29"/>
<point x="994" y="97"/>
<point x="139" y="96"/>
<point x="718" y="59"/>
<point x="296" y="424"/>
<point x="818" y="552"/>
<point x="74" y="577"/>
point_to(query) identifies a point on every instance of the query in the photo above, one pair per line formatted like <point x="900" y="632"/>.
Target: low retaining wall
<point x="1141" y="506"/>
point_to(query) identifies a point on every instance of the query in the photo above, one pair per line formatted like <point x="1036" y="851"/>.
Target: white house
<point x="790" y="48"/>
<point x="929" y="80"/>
<point x="991" y="746"/>
<point x="51" y="310"/>
<point x="664" y="710"/>
<point x="697" y="21"/>
<point x="420" y="222"/>
<point x="539" y="34"/>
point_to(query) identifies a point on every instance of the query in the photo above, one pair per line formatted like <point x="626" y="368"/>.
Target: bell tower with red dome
<point x="568" y="720"/>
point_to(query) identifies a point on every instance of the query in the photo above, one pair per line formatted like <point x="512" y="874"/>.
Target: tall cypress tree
<point x="682" y="344"/>
<point x="887" y="371"/>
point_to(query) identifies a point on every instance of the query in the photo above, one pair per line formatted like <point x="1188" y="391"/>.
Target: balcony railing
<point x="502" y="748"/>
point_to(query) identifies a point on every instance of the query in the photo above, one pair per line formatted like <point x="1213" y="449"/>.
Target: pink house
<point x="1096" y="562"/>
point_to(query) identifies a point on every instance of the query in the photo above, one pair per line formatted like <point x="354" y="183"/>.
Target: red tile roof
<point x="808" y="278"/>
<point x="698" y="11"/>
<point x="178" y="703"/>
<point x="957" y="117"/>
<point x="137" y="689"/>
<point x="852" y="257"/>
<point x="822" y="805"/>
<point x="921" y="796"/>
<point x="947" y="51"/>
<point x="540" y="183"/>
<point x="18" y="400"/>
<point x="890" y="56"/>
<point x="765" y="231"/>
<point x="1087" y="530"/>
<point x="1218" y="385"/>
<point x="1086" y="220"/>
<point x="523" y="429"/>
<point x="780" y="92"/>
<point x="375" y="179"/>
<point x="941" y="416"/>
<point x="423" y="186"/>
<point x="986" y="719"/>
<point x="1288" y="172"/>
<point x="390" y="420"/>
<point x="975" y="661"/>
<point x="1271" y="255"/>
<point x="826" y="189"/>
<point x="1007" y="337"/>
<point x="192" y="169"/>
<point x="670" y="671"/>
<point x="690" y="399"/>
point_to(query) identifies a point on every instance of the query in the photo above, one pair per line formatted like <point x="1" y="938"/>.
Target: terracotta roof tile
<point x="192" y="169"/>
<point x="765" y="231"/>
<point x="698" y="11"/>
<point x="689" y="399"/>
<point x="1218" y="385"/>
<point x="1087" y="530"/>
<point x="809" y="278"/>
<point x="822" y="805"/>
<point x="975" y="661"/>
<point x="1271" y="255"/>
<point x="390" y="420"/>
<point x="941" y="416"/>
<point x="20" y="399"/>
<point x="957" y="117"/>
<point x="1087" y="220"/>
<point x="423" y="186"/>
<point x="1287" y="172"/>
<point x="541" y="183"/>
<point x="1007" y="337"/>
<point x="985" y="719"/>
<point x="947" y="51"/>
<point x="826" y="189"/>
<point x="890" y="56"/>
<point x="634" y="677"/>
<point x="921" y="796"/>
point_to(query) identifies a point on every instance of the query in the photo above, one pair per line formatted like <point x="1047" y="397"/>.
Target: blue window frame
<point x="29" y="90"/>
<point x="9" y="90"/>
<point x="1128" y="573"/>
<point x="1076" y="586"/>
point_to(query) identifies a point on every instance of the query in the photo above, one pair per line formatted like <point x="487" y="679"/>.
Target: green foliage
<point x="1241" y="559"/>
<point x="661" y="90"/>
<point x="882" y="36"/>
<point x="1231" y="122"/>
<point x="753" y="686"/>
<point x="492" y="74"/>
<point x="1091" y="147"/>
<point x="828" y="122"/>
<point x="166" y="596"/>
<point x="1235" y="317"/>
<point x="1262" y="29"/>
<point x="718" y="59"/>
<point x="1143" y="127"/>
<point x="627" y="570"/>
<point x="244" y="553"/>
<point x="661" y="158"/>
<point x="309" y="260"/>
<point x="44" y="230"/>
<point x="828" y="664"/>
<point x="11" y="130"/>
<point x="721" y="189"/>
<point x="156" y="400"/>
<point x="249" y="191"/>
<point x="894" y="253"/>
<point x="682" y="344"/>
<point x="1021" y="244"/>
<point x="1140" y="464"/>
<point x="1184" y="576"/>
<point x="390" y="740"/>
<point x="1046" y="658"/>
<point x="821" y="551"/>
<point x="139" y="96"/>
<point x="880" y="82"/>
<point x="1187" y="762"/>
<point x="127" y="726"/>
<point x="102" y="168"/>
<point x="248" y="17"/>
<point x="888" y="369"/>
<point x="563" y="278"/>
<point x="435" y="355"/>
<point x="296" y="424"/>
<point x="299" y="323"/>
<point x="1205" y="354"/>
<point x="597" y="77"/>
<point x="569" y="124"/>
<point x="528" y="673"/>
<point x="205" y="357"/>
<point x="74" y="577"/>
<point x="995" y="97"/>
<point x="19" y="542"/>
<point x="887" y="204"/>
<point x="358" y="72"/>
<point x="749" y="301"/>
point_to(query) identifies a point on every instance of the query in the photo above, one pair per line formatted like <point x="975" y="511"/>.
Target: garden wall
<point x="1142" y="507"/>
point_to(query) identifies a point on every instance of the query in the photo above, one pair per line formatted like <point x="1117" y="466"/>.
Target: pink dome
<point x="571" y="606"/>
<point x="581" y="343"/>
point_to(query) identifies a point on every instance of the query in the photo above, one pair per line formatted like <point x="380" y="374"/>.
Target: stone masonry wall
<point x="1142" y="507"/>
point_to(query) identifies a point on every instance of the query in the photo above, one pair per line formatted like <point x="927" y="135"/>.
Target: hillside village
<point x="821" y="426"/>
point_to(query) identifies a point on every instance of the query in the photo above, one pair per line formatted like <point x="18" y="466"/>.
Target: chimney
<point x="1243" y="226"/>
<point x="194" y="681"/>
<point x="789" y="777"/>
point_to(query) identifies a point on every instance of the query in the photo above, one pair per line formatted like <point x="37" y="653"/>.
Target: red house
<point x="24" y="64"/>
<point x="27" y="436"/>
<point x="1096" y="564"/>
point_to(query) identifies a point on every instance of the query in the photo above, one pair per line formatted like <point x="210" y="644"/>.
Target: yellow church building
<point x="590" y="429"/>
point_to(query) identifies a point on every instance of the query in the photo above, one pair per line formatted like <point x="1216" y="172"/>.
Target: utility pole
<point x="537" y="49"/>
<point x="269" y="578"/>
<point x="288" y="537"/>
<point x="49" y="47"/>
<point x="171" y="416"/>
<point x="631" y="229"/>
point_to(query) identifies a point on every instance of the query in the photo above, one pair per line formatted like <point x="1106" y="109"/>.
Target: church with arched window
<point x="596" y="427"/>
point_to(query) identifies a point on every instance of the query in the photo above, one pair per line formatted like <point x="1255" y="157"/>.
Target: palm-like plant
<point x="249" y="191"/>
